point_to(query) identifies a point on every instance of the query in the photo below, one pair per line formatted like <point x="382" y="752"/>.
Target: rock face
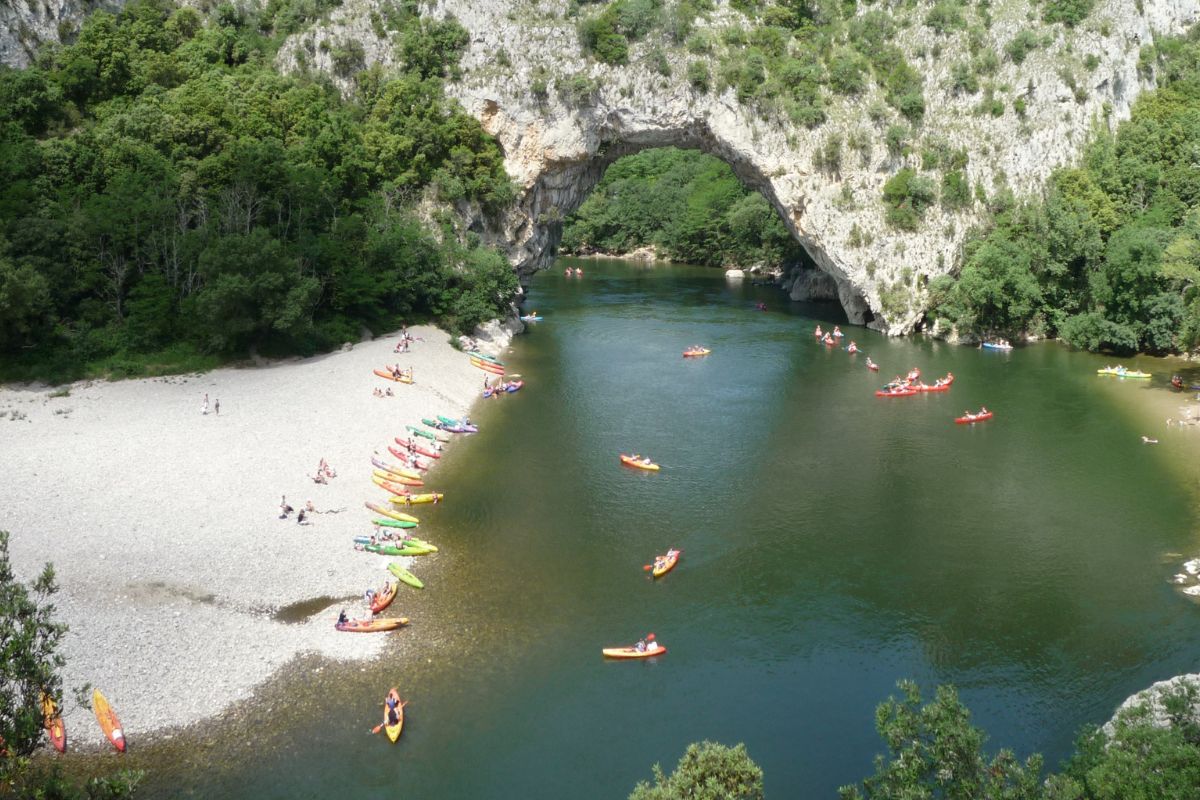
<point x="558" y="144"/>
<point x="562" y="118"/>
<point x="1152" y="700"/>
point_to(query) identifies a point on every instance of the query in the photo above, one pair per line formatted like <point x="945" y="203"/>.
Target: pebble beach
<point x="162" y="522"/>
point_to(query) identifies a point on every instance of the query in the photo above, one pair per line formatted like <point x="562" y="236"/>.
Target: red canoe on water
<point x="968" y="419"/>
<point x="896" y="393"/>
<point x="416" y="448"/>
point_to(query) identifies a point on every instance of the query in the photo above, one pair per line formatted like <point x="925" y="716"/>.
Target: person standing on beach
<point x="284" y="508"/>
<point x="217" y="406"/>
<point x="204" y="407"/>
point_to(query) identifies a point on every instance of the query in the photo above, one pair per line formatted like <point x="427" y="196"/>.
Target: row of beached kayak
<point x="52" y="721"/>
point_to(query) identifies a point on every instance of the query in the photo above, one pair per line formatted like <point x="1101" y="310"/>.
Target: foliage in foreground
<point x="707" y="771"/>
<point x="687" y="204"/>
<point x="29" y="663"/>
<point x="166" y="194"/>
<point x="933" y="751"/>
<point x="1110" y="259"/>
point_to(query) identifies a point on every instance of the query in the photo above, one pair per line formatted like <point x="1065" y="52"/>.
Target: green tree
<point x="707" y="771"/>
<point x="933" y="751"/>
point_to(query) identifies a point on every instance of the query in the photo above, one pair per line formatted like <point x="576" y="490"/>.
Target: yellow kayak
<point x="383" y="469"/>
<point x="640" y="463"/>
<point x="651" y="650"/>
<point x="383" y="475"/>
<point x="416" y="499"/>
<point x="1121" y="372"/>
<point x="387" y="512"/>
<point x="393" y="731"/>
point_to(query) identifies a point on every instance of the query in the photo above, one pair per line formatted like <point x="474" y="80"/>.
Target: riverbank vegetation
<point x="687" y="205"/>
<point x="933" y="750"/>
<point x="29" y="639"/>
<point x="168" y="199"/>
<point x="1109" y="258"/>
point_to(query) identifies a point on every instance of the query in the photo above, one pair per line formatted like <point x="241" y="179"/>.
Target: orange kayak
<point x="385" y="374"/>
<point x="384" y="598"/>
<point x="639" y="463"/>
<point x="633" y="652"/>
<point x="371" y="625"/>
<point x="109" y="723"/>
<point x="487" y="366"/>
<point x="52" y="721"/>
<point x="664" y="564"/>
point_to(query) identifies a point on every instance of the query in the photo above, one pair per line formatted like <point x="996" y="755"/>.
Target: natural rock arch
<point x="561" y="118"/>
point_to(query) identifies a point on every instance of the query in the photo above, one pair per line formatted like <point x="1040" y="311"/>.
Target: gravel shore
<point x="162" y="522"/>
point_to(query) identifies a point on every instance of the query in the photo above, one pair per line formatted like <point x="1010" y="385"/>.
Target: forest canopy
<point x="168" y="198"/>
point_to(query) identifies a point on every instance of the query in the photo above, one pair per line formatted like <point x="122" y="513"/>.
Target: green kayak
<point x="421" y="543"/>
<point x="393" y="523"/>
<point x="453" y="423"/>
<point x="433" y="423"/>
<point x="407" y="549"/>
<point x="420" y="432"/>
<point x="489" y="359"/>
<point x="406" y="576"/>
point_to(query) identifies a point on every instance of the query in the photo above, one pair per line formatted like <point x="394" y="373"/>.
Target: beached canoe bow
<point x="389" y="549"/>
<point x="406" y="576"/>
<point x="487" y="366"/>
<point x="387" y="512"/>
<point x="389" y="376"/>
<point x="417" y="499"/>
<point x="422" y="432"/>
<point x="415" y="448"/>
<point x="109" y="723"/>
<point x="371" y="625"/>
<point x="381" y="477"/>
<point x="382" y="599"/>
<point x="393" y="523"/>
<point x="394" y="469"/>
<point x="490" y="359"/>
<point x="53" y="723"/>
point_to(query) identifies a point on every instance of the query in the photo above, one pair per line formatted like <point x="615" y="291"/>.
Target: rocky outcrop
<point x="562" y="118"/>
<point x="1151" y="701"/>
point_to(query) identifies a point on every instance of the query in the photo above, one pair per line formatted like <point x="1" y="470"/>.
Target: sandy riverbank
<point x="162" y="523"/>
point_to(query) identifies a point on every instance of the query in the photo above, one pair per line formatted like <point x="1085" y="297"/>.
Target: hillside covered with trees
<point x="687" y="205"/>
<point x="167" y="198"/>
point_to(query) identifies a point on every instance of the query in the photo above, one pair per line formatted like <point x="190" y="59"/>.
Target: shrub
<point x="1021" y="45"/>
<point x="907" y="196"/>
<point x="698" y="75"/>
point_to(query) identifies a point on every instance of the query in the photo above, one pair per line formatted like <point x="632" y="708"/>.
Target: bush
<point x="907" y="195"/>
<point x="1021" y="45"/>
<point x="1068" y="12"/>
<point x="698" y="75"/>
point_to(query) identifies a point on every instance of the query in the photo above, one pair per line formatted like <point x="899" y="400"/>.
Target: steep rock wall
<point x="557" y="146"/>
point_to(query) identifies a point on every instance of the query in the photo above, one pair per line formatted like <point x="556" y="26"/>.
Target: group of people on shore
<point x="406" y="339"/>
<point x="216" y="406"/>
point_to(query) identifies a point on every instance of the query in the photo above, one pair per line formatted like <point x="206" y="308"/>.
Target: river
<point x="834" y="542"/>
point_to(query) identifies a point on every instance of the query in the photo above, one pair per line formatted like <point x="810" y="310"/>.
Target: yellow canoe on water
<point x="1121" y="372"/>
<point x="639" y="462"/>
<point x="417" y="499"/>
<point x="387" y="512"/>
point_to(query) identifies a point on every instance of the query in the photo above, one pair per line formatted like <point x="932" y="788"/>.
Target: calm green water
<point x="834" y="543"/>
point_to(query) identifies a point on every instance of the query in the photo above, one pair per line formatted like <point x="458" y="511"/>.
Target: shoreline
<point x="162" y="522"/>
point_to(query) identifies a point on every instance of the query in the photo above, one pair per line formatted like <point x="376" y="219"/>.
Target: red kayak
<point x="970" y="418"/>
<point x="896" y="393"/>
<point x="416" y="448"/>
<point x="407" y="458"/>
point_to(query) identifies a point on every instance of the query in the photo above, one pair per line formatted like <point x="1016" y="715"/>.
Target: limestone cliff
<point x="562" y="117"/>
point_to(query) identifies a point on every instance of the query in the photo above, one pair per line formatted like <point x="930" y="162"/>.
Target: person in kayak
<point x="817" y="333"/>
<point x="852" y="348"/>
<point x="342" y="618"/>
<point x="837" y="332"/>
<point x="640" y="646"/>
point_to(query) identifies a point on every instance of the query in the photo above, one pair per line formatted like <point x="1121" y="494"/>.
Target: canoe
<point x="393" y="731"/>
<point x="897" y="393"/>
<point x="109" y="723"/>
<point x="383" y="599"/>
<point x="388" y="549"/>
<point x="666" y="564"/>
<point x="418" y="499"/>
<point x="513" y="386"/>
<point x="53" y="723"/>
<point x="387" y="512"/>
<point x="449" y="420"/>
<point x="407" y="457"/>
<point x="994" y="346"/>
<point x="632" y="652"/>
<point x="630" y="461"/>
<point x="1122" y="373"/>
<point x="967" y="420"/>
<point x="487" y="367"/>
<point x="393" y="523"/>
<point x="432" y="423"/>
<point x="694" y="353"/>
<point x="381" y="477"/>
<point x="416" y="448"/>
<point x="461" y="429"/>
<point x="402" y="472"/>
<point x="490" y="359"/>
<point x="371" y="625"/>
<point x="422" y="432"/>
<point x="406" y="576"/>
<point x="532" y="318"/>
<point x="873" y="367"/>
<point x="385" y="374"/>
